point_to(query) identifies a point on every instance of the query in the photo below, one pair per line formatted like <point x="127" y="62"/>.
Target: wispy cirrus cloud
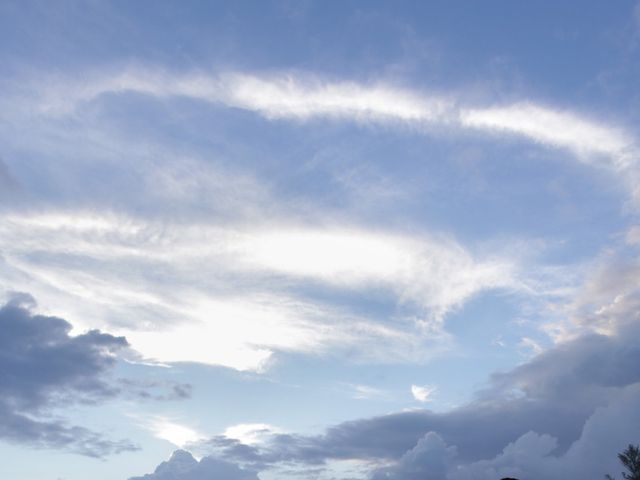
<point x="304" y="96"/>
<point x="196" y="291"/>
<point x="365" y="392"/>
<point x="300" y="96"/>
<point x="556" y="128"/>
<point x="205" y="273"/>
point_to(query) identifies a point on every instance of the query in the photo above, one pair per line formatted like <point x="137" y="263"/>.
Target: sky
<point x="319" y="240"/>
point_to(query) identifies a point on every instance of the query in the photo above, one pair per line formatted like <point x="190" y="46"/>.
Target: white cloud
<point x="423" y="393"/>
<point x="436" y="273"/>
<point x="299" y="97"/>
<point x="304" y="96"/>
<point x="206" y="274"/>
<point x="221" y="294"/>
<point x="555" y="128"/>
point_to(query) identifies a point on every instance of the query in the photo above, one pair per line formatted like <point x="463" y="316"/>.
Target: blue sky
<point x="327" y="240"/>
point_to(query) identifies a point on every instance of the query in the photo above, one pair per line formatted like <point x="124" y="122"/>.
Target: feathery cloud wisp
<point x="104" y="267"/>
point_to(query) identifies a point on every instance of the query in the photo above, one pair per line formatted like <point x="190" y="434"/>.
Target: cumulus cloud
<point x="182" y="466"/>
<point x="532" y="456"/>
<point x="431" y="456"/>
<point x="43" y="367"/>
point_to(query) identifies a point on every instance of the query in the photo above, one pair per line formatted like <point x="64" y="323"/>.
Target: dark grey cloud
<point x="50" y="433"/>
<point x="42" y="367"/>
<point x="550" y="400"/>
<point x="533" y="455"/>
<point x="182" y="466"/>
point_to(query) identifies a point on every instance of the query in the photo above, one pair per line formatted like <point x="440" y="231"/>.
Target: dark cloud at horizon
<point x="550" y="409"/>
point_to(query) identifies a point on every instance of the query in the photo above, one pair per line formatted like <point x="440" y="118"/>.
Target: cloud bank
<point x="566" y="413"/>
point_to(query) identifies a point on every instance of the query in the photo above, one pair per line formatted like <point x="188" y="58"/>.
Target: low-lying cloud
<point x="563" y="414"/>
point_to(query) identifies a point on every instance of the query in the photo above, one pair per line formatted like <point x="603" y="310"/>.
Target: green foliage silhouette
<point x="630" y="458"/>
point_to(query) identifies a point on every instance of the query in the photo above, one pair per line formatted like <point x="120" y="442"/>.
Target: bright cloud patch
<point x="178" y="435"/>
<point x="554" y="128"/>
<point x="422" y="393"/>
<point x="168" y="284"/>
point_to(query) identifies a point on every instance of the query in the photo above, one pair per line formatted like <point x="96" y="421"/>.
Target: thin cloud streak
<point x="555" y="129"/>
<point x="306" y="96"/>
